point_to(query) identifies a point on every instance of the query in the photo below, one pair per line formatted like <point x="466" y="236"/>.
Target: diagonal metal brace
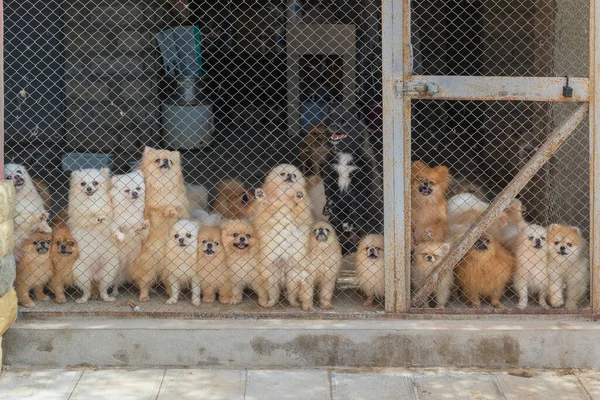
<point x="485" y="220"/>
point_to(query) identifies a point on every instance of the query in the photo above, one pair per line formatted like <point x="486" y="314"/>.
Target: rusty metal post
<point x="541" y="157"/>
<point x="594" y="122"/>
<point x="393" y="37"/>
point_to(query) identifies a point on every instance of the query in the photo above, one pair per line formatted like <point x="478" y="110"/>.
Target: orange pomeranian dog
<point x="233" y="201"/>
<point x="485" y="271"/>
<point x="428" y="194"/>
<point x="64" y="252"/>
<point x="34" y="268"/>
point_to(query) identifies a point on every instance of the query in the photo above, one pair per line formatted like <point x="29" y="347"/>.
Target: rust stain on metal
<point x="502" y="201"/>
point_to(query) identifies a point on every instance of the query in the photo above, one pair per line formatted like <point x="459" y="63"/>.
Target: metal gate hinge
<point x="415" y="88"/>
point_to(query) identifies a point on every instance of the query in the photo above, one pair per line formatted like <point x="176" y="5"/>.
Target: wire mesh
<point x="464" y="154"/>
<point x="146" y="139"/>
<point x="224" y="158"/>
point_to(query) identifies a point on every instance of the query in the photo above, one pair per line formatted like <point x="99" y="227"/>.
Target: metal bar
<point x="503" y="88"/>
<point x="2" y="89"/>
<point x="594" y="122"/>
<point x="542" y="155"/>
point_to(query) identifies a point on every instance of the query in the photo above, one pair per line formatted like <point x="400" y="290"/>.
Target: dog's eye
<point x="204" y="242"/>
<point x="188" y="235"/>
<point x="248" y="236"/>
<point x="557" y="242"/>
<point x="48" y="242"/>
<point x="543" y="238"/>
<point x="216" y="243"/>
<point x="282" y="174"/>
<point x="8" y="178"/>
<point x="36" y="242"/>
<point x="530" y="237"/>
<point x="138" y="188"/>
<point x="58" y="242"/>
<point x="82" y="183"/>
<point x="127" y="191"/>
<point x="71" y="243"/>
<point x="235" y="234"/>
<point x="95" y="183"/>
<point x="157" y="160"/>
<point x="18" y="172"/>
<point x="570" y="244"/>
<point x="177" y="236"/>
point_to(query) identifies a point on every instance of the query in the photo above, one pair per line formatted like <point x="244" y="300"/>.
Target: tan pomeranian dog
<point x="241" y="252"/>
<point x="166" y="203"/>
<point x="211" y="275"/>
<point x="91" y="221"/>
<point x="316" y="193"/>
<point x="485" y="271"/>
<point x="181" y="255"/>
<point x="64" y="252"/>
<point x="370" y="267"/>
<point x="282" y="220"/>
<point x="426" y="257"/>
<point x="128" y="197"/>
<point x="34" y="268"/>
<point x="314" y="149"/>
<point x="233" y="201"/>
<point x="30" y="214"/>
<point x="325" y="260"/>
<point x="568" y="264"/>
<point x="531" y="257"/>
<point x="428" y="194"/>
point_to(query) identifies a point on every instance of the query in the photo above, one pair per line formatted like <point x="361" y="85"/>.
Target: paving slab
<point x="458" y="386"/>
<point x="118" y="384"/>
<point x="591" y="383"/>
<point x="50" y="384"/>
<point x="287" y="385"/>
<point x="355" y="386"/>
<point x="182" y="384"/>
<point x="542" y="387"/>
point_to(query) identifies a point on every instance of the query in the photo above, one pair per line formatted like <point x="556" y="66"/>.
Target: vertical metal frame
<point x="396" y="157"/>
<point x="2" y="89"/>
<point x="594" y="126"/>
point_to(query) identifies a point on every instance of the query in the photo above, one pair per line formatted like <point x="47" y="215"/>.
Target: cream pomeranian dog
<point x="91" y="220"/>
<point x="128" y="197"/>
<point x="211" y="275"/>
<point x="531" y="258"/>
<point x="30" y="214"/>
<point x="325" y="261"/>
<point x="427" y="256"/>
<point x="166" y="203"/>
<point x="241" y="249"/>
<point x="181" y="253"/>
<point x="370" y="267"/>
<point x="568" y="264"/>
<point x="282" y="220"/>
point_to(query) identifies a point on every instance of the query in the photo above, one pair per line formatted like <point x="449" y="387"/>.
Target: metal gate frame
<point x="398" y="77"/>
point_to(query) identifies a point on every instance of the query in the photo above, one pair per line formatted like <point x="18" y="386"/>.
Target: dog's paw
<point x="171" y="301"/>
<point x="109" y="299"/>
<point x="326" y="305"/>
<point x="142" y="227"/>
<point x="259" y="193"/>
<point x="101" y="219"/>
<point x="60" y="300"/>
<point x="81" y="300"/>
<point x="144" y="298"/>
<point x="196" y="302"/>
<point x="120" y="236"/>
<point x="235" y="301"/>
<point x="28" y="304"/>
<point x="170" y="212"/>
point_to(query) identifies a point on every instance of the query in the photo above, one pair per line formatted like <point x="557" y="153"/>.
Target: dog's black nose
<point x="429" y="258"/>
<point x="165" y="163"/>
<point x="135" y="195"/>
<point x="562" y="248"/>
<point x="209" y="246"/>
<point x="242" y="239"/>
<point x="89" y="189"/>
<point x="538" y="242"/>
<point x="63" y="247"/>
<point x="290" y="177"/>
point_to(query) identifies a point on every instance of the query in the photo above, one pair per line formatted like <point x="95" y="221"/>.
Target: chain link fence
<point x="225" y="158"/>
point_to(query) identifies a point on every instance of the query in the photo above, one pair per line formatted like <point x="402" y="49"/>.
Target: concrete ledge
<point x="302" y="344"/>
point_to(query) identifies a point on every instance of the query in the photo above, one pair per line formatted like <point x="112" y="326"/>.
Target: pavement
<point x="181" y="384"/>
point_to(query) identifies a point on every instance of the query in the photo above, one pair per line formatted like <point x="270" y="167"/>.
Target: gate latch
<point x="415" y="88"/>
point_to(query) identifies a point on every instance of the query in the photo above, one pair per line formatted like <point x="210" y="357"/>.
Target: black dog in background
<point x="353" y="186"/>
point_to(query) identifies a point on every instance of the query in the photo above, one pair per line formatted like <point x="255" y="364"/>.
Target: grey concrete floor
<point x="295" y="384"/>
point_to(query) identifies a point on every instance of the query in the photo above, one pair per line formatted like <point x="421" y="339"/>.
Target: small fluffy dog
<point x="531" y="256"/>
<point x="64" y="252"/>
<point x="34" y="268"/>
<point x="429" y="206"/>
<point x="316" y="193"/>
<point x="241" y="252"/>
<point x="91" y="220"/>
<point x="128" y="198"/>
<point x="370" y="267"/>
<point x="282" y="220"/>
<point x="568" y="264"/>
<point x="314" y="149"/>
<point x="211" y="268"/>
<point x="325" y="260"/>
<point x="485" y="271"/>
<point x="426" y="257"/>
<point x="181" y="254"/>
<point x="30" y="214"/>
<point x="233" y="201"/>
<point x="166" y="203"/>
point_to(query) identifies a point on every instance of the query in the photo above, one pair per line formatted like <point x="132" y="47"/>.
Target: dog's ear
<point x="578" y="230"/>
<point x="105" y="172"/>
<point x="148" y="149"/>
<point x="113" y="180"/>
<point x="175" y="157"/>
<point x="418" y="166"/>
<point x="552" y="227"/>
